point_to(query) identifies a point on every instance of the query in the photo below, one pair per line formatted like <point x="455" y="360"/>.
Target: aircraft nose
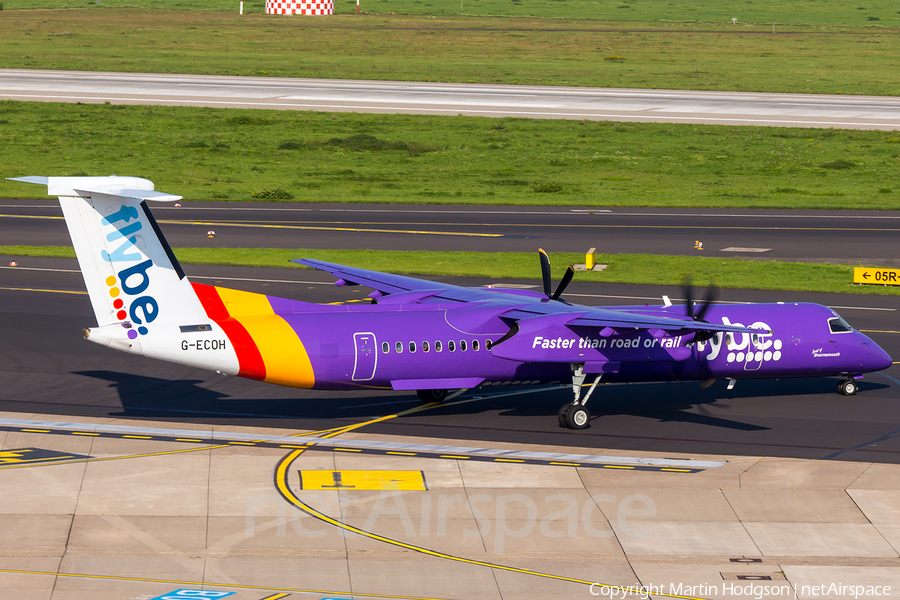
<point x="877" y="359"/>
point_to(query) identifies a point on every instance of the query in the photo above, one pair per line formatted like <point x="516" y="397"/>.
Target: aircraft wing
<point x="388" y="284"/>
<point x="517" y="308"/>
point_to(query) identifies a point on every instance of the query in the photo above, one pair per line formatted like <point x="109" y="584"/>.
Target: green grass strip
<point x="621" y="268"/>
<point x="260" y="155"/>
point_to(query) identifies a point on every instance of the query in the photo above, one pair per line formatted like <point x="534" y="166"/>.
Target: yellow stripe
<point x="236" y="586"/>
<point x="314" y="228"/>
<point x="17" y="289"/>
<point x="286" y="360"/>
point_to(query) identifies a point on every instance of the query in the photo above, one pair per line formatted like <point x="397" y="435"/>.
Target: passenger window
<point x="462" y="345"/>
<point x="488" y="344"/>
<point x="412" y="346"/>
<point x="839" y="325"/>
<point x="424" y="346"/>
<point x="437" y="346"/>
<point x="475" y="345"/>
<point x="385" y="347"/>
<point x="451" y="346"/>
<point x="399" y="347"/>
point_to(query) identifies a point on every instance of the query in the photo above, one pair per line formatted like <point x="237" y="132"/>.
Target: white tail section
<point x="130" y="272"/>
<point x="143" y="302"/>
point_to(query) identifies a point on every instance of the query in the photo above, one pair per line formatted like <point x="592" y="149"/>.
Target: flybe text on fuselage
<point x="132" y="281"/>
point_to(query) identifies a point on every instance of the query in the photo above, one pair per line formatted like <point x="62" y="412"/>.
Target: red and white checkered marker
<point x="300" y="7"/>
<point x="13" y="264"/>
<point x="210" y="233"/>
<point x="177" y="205"/>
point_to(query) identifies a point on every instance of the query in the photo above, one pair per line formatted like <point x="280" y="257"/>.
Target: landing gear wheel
<point x="578" y="417"/>
<point x="847" y="387"/>
<point x="431" y="395"/>
<point x="563" y="413"/>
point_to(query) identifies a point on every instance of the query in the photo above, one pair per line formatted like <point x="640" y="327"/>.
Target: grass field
<point x="234" y="154"/>
<point x="621" y="268"/>
<point x="809" y="12"/>
<point x="549" y="51"/>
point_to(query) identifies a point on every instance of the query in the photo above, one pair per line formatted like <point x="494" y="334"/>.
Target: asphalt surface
<point x="46" y="368"/>
<point x="668" y="106"/>
<point x="844" y="237"/>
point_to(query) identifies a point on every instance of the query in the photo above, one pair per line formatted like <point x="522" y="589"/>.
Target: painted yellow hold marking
<point x="83" y="433"/>
<point x="616" y="467"/>
<point x="452" y="456"/>
<point x="515" y="460"/>
<point x="37" y="430"/>
<point x="343" y="449"/>
<point x="138" y="437"/>
<point x="565" y="464"/>
<point x="402" y="453"/>
<point x="187" y="440"/>
<point x="363" y="480"/>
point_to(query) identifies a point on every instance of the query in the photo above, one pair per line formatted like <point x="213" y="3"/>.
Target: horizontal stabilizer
<point x="130" y="193"/>
<point x="136" y="188"/>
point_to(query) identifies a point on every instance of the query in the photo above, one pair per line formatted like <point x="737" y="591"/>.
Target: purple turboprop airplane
<point x="421" y="335"/>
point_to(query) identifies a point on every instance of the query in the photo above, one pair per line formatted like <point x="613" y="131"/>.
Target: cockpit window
<point x="839" y="325"/>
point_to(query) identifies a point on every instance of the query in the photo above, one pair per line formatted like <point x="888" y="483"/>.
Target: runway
<point x="48" y="369"/>
<point x="843" y="237"/>
<point x="535" y="102"/>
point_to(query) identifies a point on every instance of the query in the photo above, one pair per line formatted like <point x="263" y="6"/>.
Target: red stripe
<point x="250" y="360"/>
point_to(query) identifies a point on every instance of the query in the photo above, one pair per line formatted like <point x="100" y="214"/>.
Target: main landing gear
<point x="576" y="415"/>
<point x="847" y="387"/>
<point x="432" y="395"/>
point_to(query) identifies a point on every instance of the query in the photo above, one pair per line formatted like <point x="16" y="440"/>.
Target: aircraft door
<point x="366" y="356"/>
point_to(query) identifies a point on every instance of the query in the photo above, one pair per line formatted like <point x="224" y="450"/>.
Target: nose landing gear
<point x="847" y="387"/>
<point x="576" y="415"/>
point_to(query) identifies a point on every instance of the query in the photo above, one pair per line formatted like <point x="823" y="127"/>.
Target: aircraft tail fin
<point x="131" y="273"/>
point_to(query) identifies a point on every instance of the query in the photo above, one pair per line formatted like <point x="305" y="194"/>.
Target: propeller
<point x="545" y="277"/>
<point x="711" y="293"/>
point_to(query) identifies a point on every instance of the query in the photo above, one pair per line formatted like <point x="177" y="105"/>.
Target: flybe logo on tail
<point x="130" y="283"/>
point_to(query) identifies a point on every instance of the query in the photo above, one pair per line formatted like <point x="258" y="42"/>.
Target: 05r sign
<point x="192" y="595"/>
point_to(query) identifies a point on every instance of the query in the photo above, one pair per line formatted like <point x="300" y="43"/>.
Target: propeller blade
<point x="545" y="270"/>
<point x="564" y="282"/>
<point x="688" y="289"/>
<point x="711" y="293"/>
